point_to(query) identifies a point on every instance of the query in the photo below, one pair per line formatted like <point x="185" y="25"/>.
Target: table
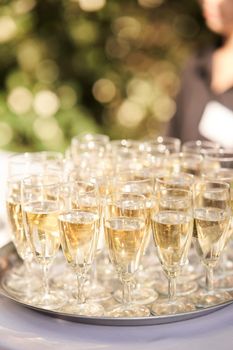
<point x="25" y="329"/>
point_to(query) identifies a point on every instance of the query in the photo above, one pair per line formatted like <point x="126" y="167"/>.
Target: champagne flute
<point x="212" y="217"/>
<point x="19" y="166"/>
<point x="99" y="178"/>
<point x="139" y="182"/>
<point x="186" y="283"/>
<point x="79" y="228"/>
<point x="19" y="283"/>
<point x="40" y="209"/>
<point x="125" y="224"/>
<point x="224" y="277"/>
<point x="172" y="225"/>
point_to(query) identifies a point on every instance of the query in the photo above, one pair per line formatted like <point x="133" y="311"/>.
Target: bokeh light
<point x="8" y="28"/>
<point x="130" y="114"/>
<point x="92" y="5"/>
<point x="46" y="103"/>
<point x="6" y="134"/>
<point x="20" y="100"/>
<point x="103" y="66"/>
<point x="23" y="6"/>
<point x="104" y="90"/>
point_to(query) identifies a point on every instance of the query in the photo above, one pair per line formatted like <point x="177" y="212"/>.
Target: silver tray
<point x="8" y="258"/>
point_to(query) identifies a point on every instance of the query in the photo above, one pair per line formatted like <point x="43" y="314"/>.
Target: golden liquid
<point x="41" y="219"/>
<point x="79" y="237"/>
<point x="133" y="209"/>
<point x="191" y="169"/>
<point x="14" y="213"/>
<point x="125" y="241"/>
<point x="216" y="199"/>
<point x="212" y="226"/>
<point x="172" y="231"/>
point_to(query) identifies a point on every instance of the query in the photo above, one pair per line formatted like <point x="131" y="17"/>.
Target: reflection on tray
<point x="108" y="294"/>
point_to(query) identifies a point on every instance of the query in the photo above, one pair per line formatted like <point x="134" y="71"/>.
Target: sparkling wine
<point x="79" y="236"/>
<point x="41" y="223"/>
<point x="14" y="212"/>
<point x="190" y="168"/>
<point x="172" y="231"/>
<point x="125" y="240"/>
<point x="212" y="226"/>
<point x="133" y="209"/>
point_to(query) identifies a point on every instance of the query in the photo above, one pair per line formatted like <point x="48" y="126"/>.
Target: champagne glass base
<point x="131" y="310"/>
<point x="140" y="295"/>
<point x="66" y="281"/>
<point x="52" y="301"/>
<point x="96" y="293"/>
<point x="223" y="283"/>
<point x="203" y="298"/>
<point x="83" y="309"/>
<point x="20" y="285"/>
<point x="166" y="307"/>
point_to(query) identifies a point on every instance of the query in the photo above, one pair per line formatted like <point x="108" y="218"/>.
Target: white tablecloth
<point x="22" y="329"/>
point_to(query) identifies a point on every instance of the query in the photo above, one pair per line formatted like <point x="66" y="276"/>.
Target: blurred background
<point x="108" y="66"/>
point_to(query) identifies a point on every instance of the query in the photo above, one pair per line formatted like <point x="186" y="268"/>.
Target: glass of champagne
<point x="21" y="282"/>
<point x="190" y="163"/>
<point x="223" y="277"/>
<point x="212" y="214"/>
<point x="186" y="283"/>
<point x="99" y="176"/>
<point x="140" y="182"/>
<point x="125" y="224"/>
<point x="40" y="209"/>
<point x="79" y="223"/>
<point x="172" y="225"/>
<point x="19" y="166"/>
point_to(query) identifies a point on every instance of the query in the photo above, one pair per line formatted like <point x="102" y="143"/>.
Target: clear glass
<point x="100" y="178"/>
<point x="85" y="146"/>
<point x="24" y="280"/>
<point x="199" y="147"/>
<point x="180" y="181"/>
<point x="125" y="225"/>
<point x="139" y="182"/>
<point x="19" y="281"/>
<point x="171" y="144"/>
<point x="223" y="275"/>
<point x="172" y="225"/>
<point x="79" y="224"/>
<point x="40" y="209"/>
<point x="186" y="163"/>
<point x="212" y="213"/>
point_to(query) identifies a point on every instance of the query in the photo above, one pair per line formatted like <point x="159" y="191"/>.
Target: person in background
<point x="205" y="102"/>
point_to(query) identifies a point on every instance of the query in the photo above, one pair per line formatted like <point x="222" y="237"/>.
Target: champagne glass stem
<point x="210" y="278"/>
<point x="172" y="289"/>
<point x="81" y="278"/>
<point x="126" y="292"/>
<point x="45" y="280"/>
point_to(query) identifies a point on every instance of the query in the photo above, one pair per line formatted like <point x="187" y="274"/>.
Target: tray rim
<point x="105" y="320"/>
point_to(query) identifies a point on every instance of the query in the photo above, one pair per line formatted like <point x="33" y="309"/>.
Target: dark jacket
<point x="194" y="94"/>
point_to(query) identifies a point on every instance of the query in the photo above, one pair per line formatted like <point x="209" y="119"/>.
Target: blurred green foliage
<point x="68" y="67"/>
